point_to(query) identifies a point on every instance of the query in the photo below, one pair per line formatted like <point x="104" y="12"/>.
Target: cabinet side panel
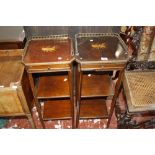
<point x="10" y="103"/>
<point x="27" y="90"/>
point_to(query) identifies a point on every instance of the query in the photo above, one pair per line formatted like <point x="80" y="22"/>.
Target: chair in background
<point x="139" y="82"/>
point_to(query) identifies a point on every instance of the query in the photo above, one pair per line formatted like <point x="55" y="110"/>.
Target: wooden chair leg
<point x="124" y="121"/>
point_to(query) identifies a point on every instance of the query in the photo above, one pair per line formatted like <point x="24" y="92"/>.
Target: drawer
<point x="100" y="67"/>
<point x="48" y="68"/>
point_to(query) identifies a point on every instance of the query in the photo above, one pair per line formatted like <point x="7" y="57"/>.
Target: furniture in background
<point x="48" y="61"/>
<point x="139" y="83"/>
<point x="16" y="97"/>
<point x="12" y="37"/>
<point x="139" y="90"/>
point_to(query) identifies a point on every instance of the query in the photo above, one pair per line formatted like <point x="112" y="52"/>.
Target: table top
<point x="46" y="50"/>
<point x="100" y="47"/>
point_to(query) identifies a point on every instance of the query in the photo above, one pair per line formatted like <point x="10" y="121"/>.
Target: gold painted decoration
<point x="98" y="45"/>
<point x="49" y="49"/>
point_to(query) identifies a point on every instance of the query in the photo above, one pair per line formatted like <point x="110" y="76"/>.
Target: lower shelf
<point x="57" y="109"/>
<point x="93" y="108"/>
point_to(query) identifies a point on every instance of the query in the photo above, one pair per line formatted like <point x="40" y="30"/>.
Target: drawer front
<point x="48" y="68"/>
<point x="100" y="67"/>
<point x="10" y="103"/>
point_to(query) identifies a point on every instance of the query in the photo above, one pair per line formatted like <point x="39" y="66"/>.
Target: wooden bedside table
<point x="98" y="57"/>
<point x="48" y="61"/>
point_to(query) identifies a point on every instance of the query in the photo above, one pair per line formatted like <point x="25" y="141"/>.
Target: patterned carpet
<point x="61" y="124"/>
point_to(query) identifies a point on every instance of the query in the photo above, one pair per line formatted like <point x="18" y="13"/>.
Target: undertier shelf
<point x="57" y="109"/>
<point x="93" y="108"/>
<point x="96" y="85"/>
<point x="54" y="86"/>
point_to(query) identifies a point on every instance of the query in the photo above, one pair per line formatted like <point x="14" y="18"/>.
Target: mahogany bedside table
<point x="48" y="61"/>
<point x="98" y="57"/>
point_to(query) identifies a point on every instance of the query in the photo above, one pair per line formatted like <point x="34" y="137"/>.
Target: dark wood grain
<point x="35" y="54"/>
<point x="53" y="87"/>
<point x="49" y="68"/>
<point x="103" y="48"/>
<point x="96" y="85"/>
<point x="27" y="90"/>
<point x="102" y="67"/>
<point x="57" y="109"/>
<point x="93" y="108"/>
<point x="12" y="45"/>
